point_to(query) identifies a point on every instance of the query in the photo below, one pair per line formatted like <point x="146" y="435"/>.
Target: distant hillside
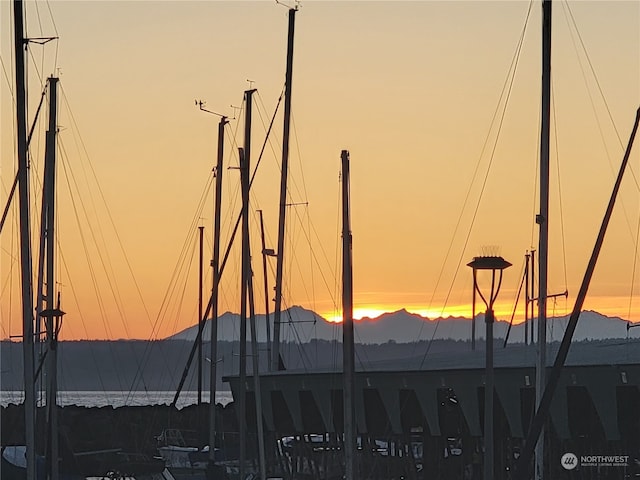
<point x="301" y="325"/>
<point x="392" y="340"/>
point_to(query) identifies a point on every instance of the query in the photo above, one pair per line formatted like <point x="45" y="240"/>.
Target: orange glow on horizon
<point x="375" y="311"/>
<point x="502" y="312"/>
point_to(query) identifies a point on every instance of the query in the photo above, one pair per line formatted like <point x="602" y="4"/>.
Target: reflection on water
<point x="119" y="398"/>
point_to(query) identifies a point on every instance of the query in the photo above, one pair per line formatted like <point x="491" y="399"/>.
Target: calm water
<point x="119" y="399"/>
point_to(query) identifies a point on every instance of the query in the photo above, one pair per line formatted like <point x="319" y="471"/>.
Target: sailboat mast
<point x="242" y="408"/>
<point x="20" y="45"/>
<point x="543" y="220"/>
<point x="348" y="356"/>
<point x="51" y="320"/>
<point x="532" y="299"/>
<point x="245" y="155"/>
<point x="255" y="361"/>
<point x="275" y="360"/>
<point x="200" y="319"/>
<point x="526" y="299"/>
<point x="215" y="263"/>
<point x="266" y="287"/>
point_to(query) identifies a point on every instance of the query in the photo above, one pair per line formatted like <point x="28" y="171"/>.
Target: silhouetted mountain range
<point x="397" y="340"/>
<point x="302" y="325"/>
<point x="310" y="342"/>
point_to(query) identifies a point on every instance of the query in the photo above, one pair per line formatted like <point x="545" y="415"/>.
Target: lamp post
<point x="496" y="265"/>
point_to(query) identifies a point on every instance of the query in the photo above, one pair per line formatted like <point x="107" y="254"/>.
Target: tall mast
<point x="526" y="299"/>
<point x="532" y="299"/>
<point x="543" y="220"/>
<point x="20" y="45"/>
<point x="215" y="264"/>
<point x="242" y="408"/>
<point x="200" y="319"/>
<point x="347" y="328"/>
<point x="52" y="319"/>
<point x="245" y="156"/>
<point x="265" y="254"/>
<point x="255" y="351"/>
<point x="275" y="360"/>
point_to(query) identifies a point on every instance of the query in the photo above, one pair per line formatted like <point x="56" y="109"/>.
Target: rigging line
<point x="311" y="265"/>
<point x="10" y="284"/>
<point x="255" y="170"/>
<point x="484" y="183"/>
<point x="634" y="268"/>
<point x="32" y="164"/>
<point x="90" y="267"/>
<point x="260" y="107"/>
<point x="523" y="274"/>
<point x="307" y="216"/>
<point x="41" y="34"/>
<point x="510" y="73"/>
<point x="297" y="140"/>
<point x="55" y="29"/>
<point x="535" y="203"/>
<point x="277" y="157"/>
<point x="293" y="242"/>
<point x="362" y="357"/>
<point x="38" y="18"/>
<point x="312" y="251"/>
<point x="172" y="286"/>
<point x="187" y="272"/>
<point x="107" y="267"/>
<point x="35" y="66"/>
<point x="8" y="80"/>
<point x="181" y="296"/>
<point x="560" y="204"/>
<point x="600" y="130"/>
<point x="268" y="134"/>
<point x="102" y="197"/>
<point x="593" y="72"/>
<point x="506" y="90"/>
<point x="310" y="227"/>
<point x="228" y="250"/>
<point x="337" y="262"/>
<point x="323" y="251"/>
<point x="303" y="354"/>
<point x="602" y="96"/>
<point x="541" y="414"/>
<point x="182" y="256"/>
<point x="315" y="258"/>
<point x="593" y="107"/>
<point x="78" y="312"/>
<point x="99" y="299"/>
<point x="15" y="181"/>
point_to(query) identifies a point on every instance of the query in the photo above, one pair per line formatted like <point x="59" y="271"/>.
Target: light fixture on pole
<point x="496" y="265"/>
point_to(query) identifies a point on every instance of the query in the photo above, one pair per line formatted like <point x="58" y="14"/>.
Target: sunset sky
<point x="416" y="91"/>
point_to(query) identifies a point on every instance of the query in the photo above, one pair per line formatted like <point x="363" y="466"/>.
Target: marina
<point x="519" y="399"/>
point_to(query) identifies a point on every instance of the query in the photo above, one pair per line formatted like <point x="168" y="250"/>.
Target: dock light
<point x="496" y="265"/>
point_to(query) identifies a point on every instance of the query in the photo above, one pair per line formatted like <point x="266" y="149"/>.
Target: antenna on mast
<point x="201" y="105"/>
<point x="296" y="2"/>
